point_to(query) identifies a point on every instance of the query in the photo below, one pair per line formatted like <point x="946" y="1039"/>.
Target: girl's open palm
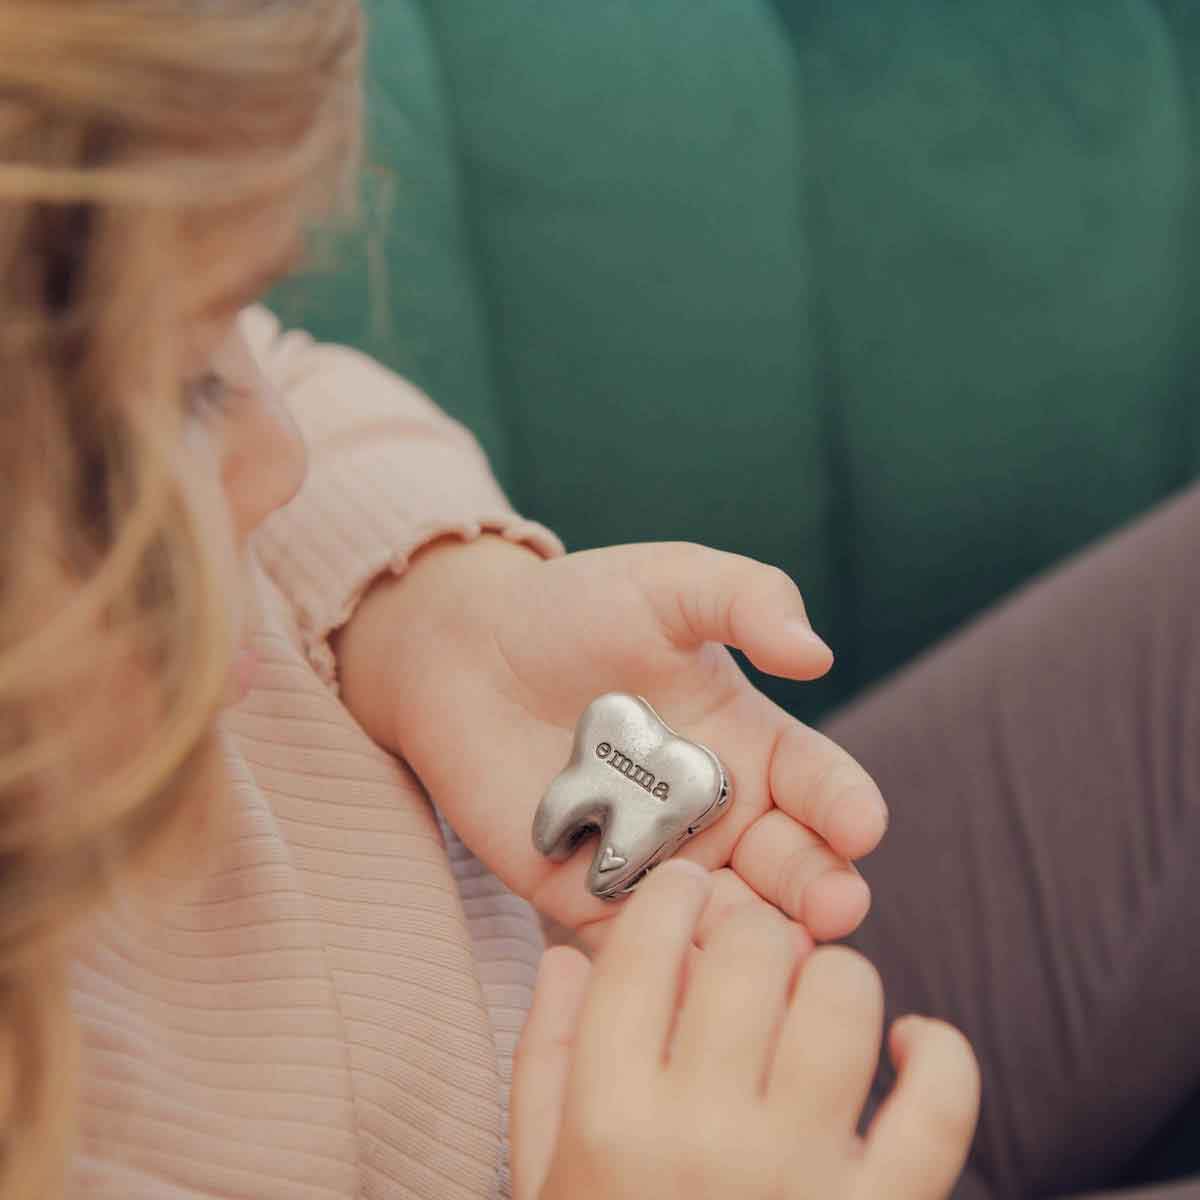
<point x="482" y="689"/>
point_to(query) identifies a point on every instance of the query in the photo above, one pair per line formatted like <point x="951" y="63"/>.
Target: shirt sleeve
<point x="389" y="472"/>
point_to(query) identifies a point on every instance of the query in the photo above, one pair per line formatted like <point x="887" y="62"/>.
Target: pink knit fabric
<point x="328" y="1011"/>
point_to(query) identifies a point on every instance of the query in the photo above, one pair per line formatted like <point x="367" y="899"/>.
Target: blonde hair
<point x="127" y="128"/>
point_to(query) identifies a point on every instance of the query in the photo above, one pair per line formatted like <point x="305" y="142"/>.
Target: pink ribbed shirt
<point x="329" y="1010"/>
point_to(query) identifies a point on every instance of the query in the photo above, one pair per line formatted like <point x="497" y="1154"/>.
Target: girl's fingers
<point x="736" y="996"/>
<point x="919" y="1141"/>
<point x="730" y="892"/>
<point x="636" y="976"/>
<point x="816" y="782"/>
<point x="828" y="1048"/>
<point x="703" y="595"/>
<point x="793" y="869"/>
<point x="542" y="1064"/>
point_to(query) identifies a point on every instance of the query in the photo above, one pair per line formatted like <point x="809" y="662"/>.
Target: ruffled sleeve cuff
<point x="389" y="473"/>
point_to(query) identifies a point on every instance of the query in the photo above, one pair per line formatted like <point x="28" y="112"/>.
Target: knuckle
<point x="603" y="1125"/>
<point x="750" y="944"/>
<point x="737" y="612"/>
<point x="751" y="926"/>
<point x="797" y="869"/>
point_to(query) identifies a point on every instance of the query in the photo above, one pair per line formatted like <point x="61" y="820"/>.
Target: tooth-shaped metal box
<point x="633" y="779"/>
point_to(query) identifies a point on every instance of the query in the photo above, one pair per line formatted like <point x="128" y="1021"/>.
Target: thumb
<point x="702" y="595"/>
<point x="541" y="1066"/>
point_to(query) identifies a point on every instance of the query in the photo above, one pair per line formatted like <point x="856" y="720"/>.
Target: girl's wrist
<point x="405" y="624"/>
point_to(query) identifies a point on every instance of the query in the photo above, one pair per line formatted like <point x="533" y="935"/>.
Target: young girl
<point x="253" y="589"/>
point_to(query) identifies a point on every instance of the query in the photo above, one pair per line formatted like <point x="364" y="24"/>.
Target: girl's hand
<point x="476" y="664"/>
<point x="729" y="1072"/>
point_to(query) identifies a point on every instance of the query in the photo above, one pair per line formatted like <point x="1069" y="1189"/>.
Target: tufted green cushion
<point x="897" y="294"/>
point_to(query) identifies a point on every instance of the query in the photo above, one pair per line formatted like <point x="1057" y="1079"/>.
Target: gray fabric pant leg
<point x="1040" y="880"/>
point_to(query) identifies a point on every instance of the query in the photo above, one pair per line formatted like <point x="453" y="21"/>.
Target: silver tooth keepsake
<point x="645" y="789"/>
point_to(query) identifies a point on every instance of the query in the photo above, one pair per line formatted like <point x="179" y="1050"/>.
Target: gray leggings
<point x="1041" y="877"/>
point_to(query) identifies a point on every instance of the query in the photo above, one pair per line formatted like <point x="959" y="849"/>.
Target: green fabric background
<point x="900" y="295"/>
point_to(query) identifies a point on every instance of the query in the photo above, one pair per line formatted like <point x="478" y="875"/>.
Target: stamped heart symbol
<point x="610" y="861"/>
<point x="638" y="783"/>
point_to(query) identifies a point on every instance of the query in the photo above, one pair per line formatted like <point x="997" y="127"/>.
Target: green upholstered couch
<point x="900" y="295"/>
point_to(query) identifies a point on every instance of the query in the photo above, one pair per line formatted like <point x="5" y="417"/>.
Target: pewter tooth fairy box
<point x="633" y="779"/>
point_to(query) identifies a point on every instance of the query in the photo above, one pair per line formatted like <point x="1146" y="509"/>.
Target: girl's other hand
<point x="733" y="1071"/>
